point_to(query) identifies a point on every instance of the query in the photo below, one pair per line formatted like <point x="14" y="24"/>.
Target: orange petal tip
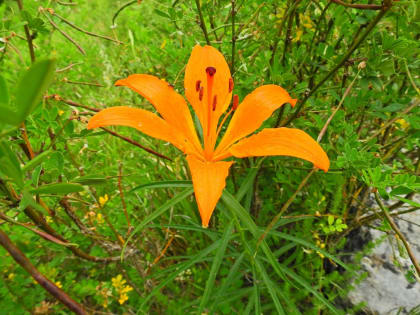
<point x="120" y="82"/>
<point x="293" y="102"/>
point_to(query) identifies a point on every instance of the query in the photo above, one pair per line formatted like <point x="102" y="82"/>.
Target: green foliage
<point x="108" y="198"/>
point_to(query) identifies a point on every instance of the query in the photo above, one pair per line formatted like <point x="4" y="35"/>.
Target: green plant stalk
<point x="342" y="61"/>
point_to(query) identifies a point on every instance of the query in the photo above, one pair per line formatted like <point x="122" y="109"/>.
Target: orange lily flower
<point x="208" y="88"/>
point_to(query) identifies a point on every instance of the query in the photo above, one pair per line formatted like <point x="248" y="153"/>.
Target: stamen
<point x="230" y="85"/>
<point x="211" y="71"/>
<point x="235" y="103"/>
<point x="201" y="93"/>
<point x="197" y="85"/>
<point x="214" y="102"/>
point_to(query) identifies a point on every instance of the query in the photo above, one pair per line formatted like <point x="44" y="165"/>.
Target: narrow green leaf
<point x="36" y="161"/>
<point x="180" y="268"/>
<point x="90" y="180"/>
<point x="59" y="188"/>
<point x="215" y="266"/>
<point x="32" y="86"/>
<point x="157" y="213"/>
<point x="237" y="209"/>
<point x="165" y="184"/>
<point x="9" y="164"/>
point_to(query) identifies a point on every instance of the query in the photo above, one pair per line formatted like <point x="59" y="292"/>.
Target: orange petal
<point x="209" y="180"/>
<point x="196" y="77"/>
<point x="170" y="105"/>
<point x="140" y="119"/>
<point x="282" y="141"/>
<point x="252" y="112"/>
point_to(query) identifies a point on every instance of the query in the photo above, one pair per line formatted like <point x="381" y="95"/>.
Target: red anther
<point x="211" y="71"/>
<point x="201" y="93"/>
<point x="214" y="102"/>
<point x="235" y="102"/>
<point x="197" y="85"/>
<point x="230" y="85"/>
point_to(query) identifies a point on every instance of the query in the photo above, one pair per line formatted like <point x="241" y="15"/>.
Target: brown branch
<point x="398" y="232"/>
<point x="358" y="6"/>
<point x="131" y="141"/>
<point x="49" y="286"/>
<point x="51" y="11"/>
<point x="62" y="32"/>
<point x="136" y="144"/>
<point x="27" y="34"/>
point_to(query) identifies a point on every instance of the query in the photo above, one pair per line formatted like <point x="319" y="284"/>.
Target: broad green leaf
<point x="7" y="116"/>
<point x="32" y="86"/>
<point x="59" y="188"/>
<point x="4" y="92"/>
<point x="9" y="164"/>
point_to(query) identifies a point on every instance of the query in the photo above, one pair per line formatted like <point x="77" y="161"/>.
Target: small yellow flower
<point x="123" y="298"/>
<point x="299" y="34"/>
<point x="162" y="46"/>
<point x="58" y="284"/>
<point x="48" y="219"/>
<point x="60" y="112"/>
<point x="103" y="200"/>
<point x="11" y="276"/>
<point x="99" y="218"/>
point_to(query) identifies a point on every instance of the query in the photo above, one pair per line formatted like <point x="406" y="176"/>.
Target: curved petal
<point x="196" y="78"/>
<point x="282" y="141"/>
<point x="170" y="105"/>
<point x="252" y="112"/>
<point x="209" y="180"/>
<point x="142" y="120"/>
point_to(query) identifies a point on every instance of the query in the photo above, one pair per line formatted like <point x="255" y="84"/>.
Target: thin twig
<point x="49" y="286"/>
<point x="52" y="12"/>
<point x="68" y="67"/>
<point x="27" y="34"/>
<point x="398" y="232"/>
<point x="389" y="123"/>
<point x="82" y="83"/>
<point x="321" y="134"/>
<point x="358" y="6"/>
<point x="232" y="65"/>
<point x="42" y="10"/>
<point x="122" y="8"/>
<point x="202" y="23"/>
<point x="136" y="144"/>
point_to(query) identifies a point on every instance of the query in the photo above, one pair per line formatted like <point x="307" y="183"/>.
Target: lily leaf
<point x="59" y="188"/>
